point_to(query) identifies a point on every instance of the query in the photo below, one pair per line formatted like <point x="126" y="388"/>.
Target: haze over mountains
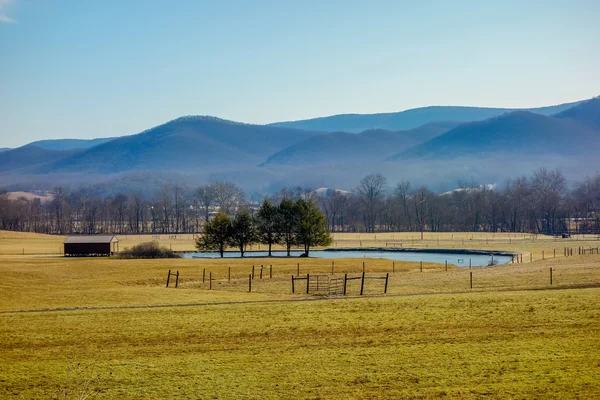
<point x="431" y="143"/>
<point x="518" y="133"/>
<point x="69" y="144"/>
<point x="369" y="145"/>
<point x="410" y="119"/>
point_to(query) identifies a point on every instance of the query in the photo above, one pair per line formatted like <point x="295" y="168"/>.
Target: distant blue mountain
<point x="587" y="113"/>
<point x="343" y="148"/>
<point x="185" y="144"/>
<point x="29" y="156"/>
<point x="409" y="119"/>
<point x="569" y="133"/>
<point x="69" y="144"/>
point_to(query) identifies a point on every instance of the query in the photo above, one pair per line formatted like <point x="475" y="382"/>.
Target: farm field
<point x="114" y="325"/>
<point x="19" y="243"/>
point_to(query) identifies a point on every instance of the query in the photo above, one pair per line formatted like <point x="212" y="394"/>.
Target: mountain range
<point x="356" y="144"/>
<point x="410" y="119"/>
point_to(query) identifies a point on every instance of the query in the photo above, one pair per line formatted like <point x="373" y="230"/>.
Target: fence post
<point x="345" y="280"/>
<point x="550" y="276"/>
<point x="554" y="253"/>
<point x="530" y="257"/>
<point x="543" y="256"/>
<point x="362" y="283"/>
<point x="252" y="271"/>
<point x="168" y="278"/>
<point x="446" y="265"/>
<point x="203" y="274"/>
<point x="261" y="270"/>
<point x="298" y="274"/>
<point x="332" y="266"/>
<point x="471" y="279"/>
<point x="210" y="280"/>
<point x="177" y="279"/>
<point x="363" y="267"/>
<point x="271" y="272"/>
<point x="421" y="266"/>
<point x="250" y="283"/>
<point x="387" y="276"/>
<point x="393" y="267"/>
<point x="293" y="284"/>
<point x="307" y="283"/>
<point x="229" y="275"/>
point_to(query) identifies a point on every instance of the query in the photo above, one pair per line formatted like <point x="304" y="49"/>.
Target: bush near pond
<point x="148" y="250"/>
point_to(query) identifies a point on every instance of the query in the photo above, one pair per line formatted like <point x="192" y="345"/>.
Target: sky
<point x="86" y="69"/>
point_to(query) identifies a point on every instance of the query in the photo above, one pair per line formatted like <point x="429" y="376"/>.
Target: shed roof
<point x="91" y="239"/>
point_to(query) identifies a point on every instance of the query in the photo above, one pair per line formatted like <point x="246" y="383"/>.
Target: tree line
<point x="291" y="223"/>
<point x="541" y="203"/>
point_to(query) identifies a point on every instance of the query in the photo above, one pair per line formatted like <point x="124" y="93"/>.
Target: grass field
<point x="113" y="324"/>
<point x="18" y="243"/>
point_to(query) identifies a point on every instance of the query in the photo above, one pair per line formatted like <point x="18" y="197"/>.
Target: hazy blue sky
<point x="75" y="68"/>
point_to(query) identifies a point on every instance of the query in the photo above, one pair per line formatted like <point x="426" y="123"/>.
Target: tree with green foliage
<point x="243" y="231"/>
<point x="312" y="227"/>
<point x="287" y="223"/>
<point x="216" y="235"/>
<point x="266" y="224"/>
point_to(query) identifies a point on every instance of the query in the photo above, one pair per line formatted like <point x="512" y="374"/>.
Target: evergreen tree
<point x="266" y="224"/>
<point x="287" y="223"/>
<point x="216" y="235"/>
<point x="312" y="227"/>
<point x="243" y="232"/>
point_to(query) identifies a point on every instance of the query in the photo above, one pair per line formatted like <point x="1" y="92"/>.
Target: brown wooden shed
<point x="91" y="245"/>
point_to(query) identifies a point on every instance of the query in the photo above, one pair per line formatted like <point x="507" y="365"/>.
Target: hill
<point x="587" y="113"/>
<point x="409" y="119"/>
<point x="29" y="155"/>
<point x="343" y="147"/>
<point x="69" y="144"/>
<point x="184" y="144"/>
<point x="2" y="149"/>
<point x="516" y="133"/>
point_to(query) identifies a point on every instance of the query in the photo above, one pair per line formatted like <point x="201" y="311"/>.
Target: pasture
<point x="113" y="325"/>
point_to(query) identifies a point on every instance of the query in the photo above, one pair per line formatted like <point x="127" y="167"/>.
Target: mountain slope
<point x="518" y="133"/>
<point x="69" y="144"/>
<point x="409" y="119"/>
<point x="344" y="147"/>
<point x="28" y="156"/>
<point x="586" y="113"/>
<point x="183" y="144"/>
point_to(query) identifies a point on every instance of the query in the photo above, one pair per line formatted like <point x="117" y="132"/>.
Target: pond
<point x="458" y="258"/>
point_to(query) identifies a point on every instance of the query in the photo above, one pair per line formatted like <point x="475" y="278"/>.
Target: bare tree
<point x="205" y="198"/>
<point x="421" y="195"/>
<point x="228" y="197"/>
<point x="402" y="193"/>
<point x="371" y="190"/>
<point x="548" y="193"/>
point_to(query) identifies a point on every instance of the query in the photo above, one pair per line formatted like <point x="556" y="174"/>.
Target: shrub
<point x="148" y="250"/>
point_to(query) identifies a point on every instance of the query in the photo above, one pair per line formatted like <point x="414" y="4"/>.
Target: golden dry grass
<point x="508" y="337"/>
<point x="539" y="246"/>
<point x="541" y="344"/>
<point x="44" y="282"/>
